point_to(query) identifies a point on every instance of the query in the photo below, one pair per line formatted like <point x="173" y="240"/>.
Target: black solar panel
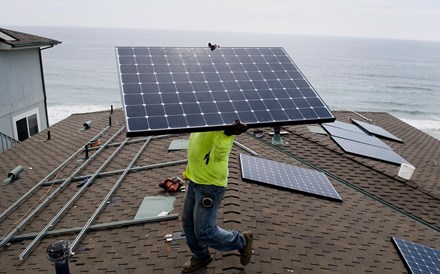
<point x="287" y="176"/>
<point x="375" y="130"/>
<point x="188" y="89"/>
<point x="355" y="136"/>
<point x="419" y="259"/>
<point x="374" y="152"/>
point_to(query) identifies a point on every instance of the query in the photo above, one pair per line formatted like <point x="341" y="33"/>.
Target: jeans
<point x="199" y="222"/>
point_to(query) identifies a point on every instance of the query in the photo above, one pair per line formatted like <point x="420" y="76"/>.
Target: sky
<point x="398" y="19"/>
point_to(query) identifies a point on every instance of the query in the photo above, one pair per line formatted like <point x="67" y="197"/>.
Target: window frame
<point x="26" y="115"/>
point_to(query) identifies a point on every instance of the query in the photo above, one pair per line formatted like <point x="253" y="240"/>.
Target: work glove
<point x="237" y="128"/>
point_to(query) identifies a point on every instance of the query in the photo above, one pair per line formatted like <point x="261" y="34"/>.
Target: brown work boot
<point x="246" y="252"/>
<point x="193" y="263"/>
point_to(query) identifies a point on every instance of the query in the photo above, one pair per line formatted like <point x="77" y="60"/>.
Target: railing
<point x="6" y="142"/>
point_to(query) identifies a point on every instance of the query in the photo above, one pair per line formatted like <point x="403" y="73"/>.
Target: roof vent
<point x="406" y="171"/>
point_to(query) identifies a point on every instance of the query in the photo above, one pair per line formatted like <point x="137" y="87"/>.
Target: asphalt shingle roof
<point x="294" y="233"/>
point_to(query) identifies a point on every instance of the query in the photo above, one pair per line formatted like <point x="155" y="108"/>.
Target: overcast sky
<point x="406" y="19"/>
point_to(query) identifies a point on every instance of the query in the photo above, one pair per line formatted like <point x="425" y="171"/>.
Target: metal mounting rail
<point x="60" y="213"/>
<point x="107" y="197"/>
<point x="119" y="171"/>
<point x="98" y="227"/>
<point x="60" y="187"/>
<point x="33" y="189"/>
<point x="245" y="148"/>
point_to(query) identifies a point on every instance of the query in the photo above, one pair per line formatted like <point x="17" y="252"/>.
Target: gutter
<point x="44" y="85"/>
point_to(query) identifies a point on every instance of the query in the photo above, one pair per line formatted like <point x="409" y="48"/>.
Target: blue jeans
<point x="199" y="222"/>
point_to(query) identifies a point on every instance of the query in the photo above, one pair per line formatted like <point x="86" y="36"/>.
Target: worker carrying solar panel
<point x="207" y="171"/>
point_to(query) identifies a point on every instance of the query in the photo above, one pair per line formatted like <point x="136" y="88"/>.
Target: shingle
<point x="294" y="233"/>
<point x="25" y="39"/>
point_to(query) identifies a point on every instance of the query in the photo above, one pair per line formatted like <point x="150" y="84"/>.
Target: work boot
<point x="193" y="263"/>
<point x="246" y="252"/>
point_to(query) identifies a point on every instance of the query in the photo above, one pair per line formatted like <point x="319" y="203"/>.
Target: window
<point x="26" y="125"/>
<point x="22" y="129"/>
<point x="33" y="124"/>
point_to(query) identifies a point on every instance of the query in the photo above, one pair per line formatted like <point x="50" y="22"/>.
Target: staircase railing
<point x="6" y="142"/>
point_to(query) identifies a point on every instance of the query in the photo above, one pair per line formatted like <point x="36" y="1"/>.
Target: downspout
<point x="44" y="85"/>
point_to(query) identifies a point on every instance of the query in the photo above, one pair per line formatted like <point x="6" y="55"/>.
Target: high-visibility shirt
<point x="208" y="157"/>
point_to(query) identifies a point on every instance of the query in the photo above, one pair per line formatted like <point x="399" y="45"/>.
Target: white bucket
<point x="406" y="171"/>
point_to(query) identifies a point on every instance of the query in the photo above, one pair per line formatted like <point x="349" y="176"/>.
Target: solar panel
<point x="419" y="259"/>
<point x="358" y="137"/>
<point x="375" y="130"/>
<point x="172" y="90"/>
<point x="287" y="176"/>
<point x="374" y="152"/>
<point x="345" y="126"/>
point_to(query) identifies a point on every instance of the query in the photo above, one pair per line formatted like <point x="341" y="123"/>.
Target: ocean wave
<point x="431" y="127"/>
<point x="61" y="112"/>
<point x="423" y="124"/>
<point x="411" y="88"/>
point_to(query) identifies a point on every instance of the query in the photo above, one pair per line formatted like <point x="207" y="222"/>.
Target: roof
<point x="15" y="39"/>
<point x="293" y="232"/>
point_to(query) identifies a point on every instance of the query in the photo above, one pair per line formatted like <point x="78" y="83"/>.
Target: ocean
<point x="401" y="77"/>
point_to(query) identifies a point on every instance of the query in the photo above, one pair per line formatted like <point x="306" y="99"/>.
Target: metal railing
<point x="6" y="142"/>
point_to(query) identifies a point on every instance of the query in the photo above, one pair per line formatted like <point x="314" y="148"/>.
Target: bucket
<point x="406" y="171"/>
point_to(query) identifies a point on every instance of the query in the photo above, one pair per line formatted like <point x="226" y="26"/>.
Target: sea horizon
<point x="396" y="76"/>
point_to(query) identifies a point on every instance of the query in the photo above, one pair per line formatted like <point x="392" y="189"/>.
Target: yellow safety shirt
<point x="208" y="157"/>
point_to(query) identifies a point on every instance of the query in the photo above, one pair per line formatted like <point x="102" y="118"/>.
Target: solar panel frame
<point x="418" y="259"/>
<point x="376" y="130"/>
<point x="260" y="86"/>
<point x="302" y="180"/>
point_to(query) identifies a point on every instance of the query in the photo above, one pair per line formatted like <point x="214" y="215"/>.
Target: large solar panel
<point x="419" y="259"/>
<point x="375" y="130"/>
<point x="287" y="176"/>
<point x="358" y="137"/>
<point x="171" y="90"/>
<point x="374" y="152"/>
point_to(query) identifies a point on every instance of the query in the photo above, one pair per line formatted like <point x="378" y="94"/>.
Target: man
<point x="207" y="170"/>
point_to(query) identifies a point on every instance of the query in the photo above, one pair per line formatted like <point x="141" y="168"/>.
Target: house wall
<point x="21" y="88"/>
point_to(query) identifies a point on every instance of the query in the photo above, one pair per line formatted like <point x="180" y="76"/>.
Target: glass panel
<point x="22" y="129"/>
<point x="33" y="124"/>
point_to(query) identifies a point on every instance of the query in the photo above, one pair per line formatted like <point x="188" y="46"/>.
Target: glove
<point x="237" y="128"/>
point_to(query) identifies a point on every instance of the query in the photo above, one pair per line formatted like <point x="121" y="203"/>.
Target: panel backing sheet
<point x="172" y="90"/>
<point x="376" y="130"/>
<point x="354" y="140"/>
<point x="287" y="176"/>
<point x="374" y="152"/>
<point x="358" y="137"/>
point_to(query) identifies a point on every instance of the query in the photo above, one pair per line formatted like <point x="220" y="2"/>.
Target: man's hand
<point x="237" y="128"/>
